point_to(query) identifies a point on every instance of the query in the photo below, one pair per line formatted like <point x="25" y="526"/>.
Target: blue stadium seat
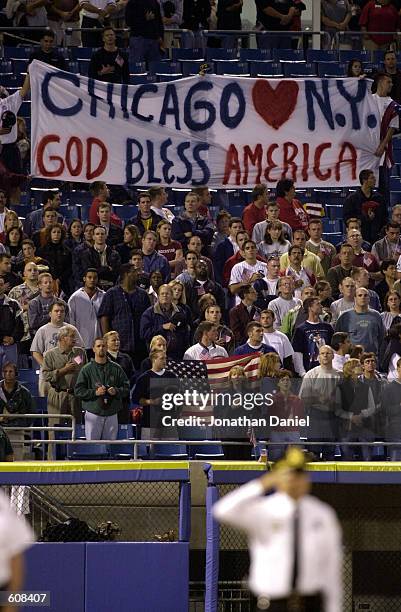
<point x="83" y="66"/>
<point x="334" y="238"/>
<point x="397" y="155"/>
<point x="91" y="452"/>
<point x="207" y="451"/>
<point x="137" y="68"/>
<point x="331" y="226"/>
<point x="141" y="79"/>
<point x="69" y="212"/>
<point x="288" y="55"/>
<point x="331" y="69"/>
<point x="238" y="68"/>
<point x="30" y="380"/>
<point x="166" y="67"/>
<point x="190" y="68"/>
<point x="17" y="52"/>
<point x="220" y="54"/>
<point x="11" y="81"/>
<point x="187" y="54"/>
<point x="78" y="53"/>
<point x="335" y="212"/>
<point x="72" y="67"/>
<point x="321" y="55"/>
<point x="6" y="67"/>
<point x="170" y="451"/>
<point x="346" y="55"/>
<point x="165" y="78"/>
<point x="19" y="65"/>
<point x="294" y="70"/>
<point x="395" y="183"/>
<point x="80" y="198"/>
<point x="265" y="69"/>
<point x="254" y="55"/>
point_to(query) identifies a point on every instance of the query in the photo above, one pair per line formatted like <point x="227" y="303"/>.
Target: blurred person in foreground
<point x="294" y="539"/>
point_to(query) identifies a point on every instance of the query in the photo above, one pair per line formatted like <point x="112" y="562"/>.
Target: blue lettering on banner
<point x="124" y="101"/>
<point x="48" y="102"/>
<point x="167" y="164"/>
<point x="141" y="91"/>
<point x="353" y="100"/>
<point x="181" y="156"/>
<point x="201" y="163"/>
<point x="130" y="161"/>
<point x="323" y="102"/>
<point x="151" y="163"/>
<point x="232" y="121"/>
<point x="170" y="93"/>
<point x="112" y="110"/>
<point x="197" y="126"/>
<point x="91" y="92"/>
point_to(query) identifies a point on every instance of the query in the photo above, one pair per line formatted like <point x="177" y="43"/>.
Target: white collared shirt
<point x="83" y="314"/>
<point x="269" y="524"/>
<point x="202" y="353"/>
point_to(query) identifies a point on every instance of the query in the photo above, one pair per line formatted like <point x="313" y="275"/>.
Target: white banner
<point x="226" y="132"/>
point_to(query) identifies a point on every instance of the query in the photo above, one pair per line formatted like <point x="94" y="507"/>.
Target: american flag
<point x="212" y="375"/>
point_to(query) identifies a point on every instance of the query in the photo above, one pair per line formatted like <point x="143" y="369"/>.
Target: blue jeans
<point x="289" y="437"/>
<point x="144" y="49"/>
<point x="8" y="354"/>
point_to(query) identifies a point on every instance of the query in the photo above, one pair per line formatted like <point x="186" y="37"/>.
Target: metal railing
<point x="358" y="36"/>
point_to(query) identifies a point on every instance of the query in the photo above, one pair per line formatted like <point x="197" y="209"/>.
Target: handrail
<point x="357" y="34"/>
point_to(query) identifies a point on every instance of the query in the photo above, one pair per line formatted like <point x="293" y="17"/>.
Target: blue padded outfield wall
<point x="102" y="577"/>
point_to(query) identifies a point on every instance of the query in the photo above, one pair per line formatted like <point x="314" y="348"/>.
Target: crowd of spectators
<point x="103" y="309"/>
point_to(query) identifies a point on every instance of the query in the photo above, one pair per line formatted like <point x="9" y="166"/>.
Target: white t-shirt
<point x="100" y="4"/>
<point x="242" y="272"/>
<point x="11" y="103"/>
<point x="280" y="343"/>
<point x="201" y="353"/>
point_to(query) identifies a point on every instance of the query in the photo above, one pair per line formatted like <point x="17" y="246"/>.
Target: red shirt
<point x="253" y="215"/>
<point x="169" y="251"/>
<point x="286" y="408"/>
<point x="94" y="217"/>
<point x="380" y="19"/>
<point x="293" y="213"/>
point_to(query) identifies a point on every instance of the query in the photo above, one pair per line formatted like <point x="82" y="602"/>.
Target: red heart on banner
<point x="275" y="106"/>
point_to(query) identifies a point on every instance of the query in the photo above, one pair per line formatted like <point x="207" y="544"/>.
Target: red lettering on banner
<point x="74" y="141"/>
<point x="322" y="176"/>
<point x="74" y="157"/>
<point x="289" y="160"/>
<point x="305" y="166"/>
<point x="232" y="165"/>
<point x="270" y="163"/>
<point x="347" y="160"/>
<point x="39" y="156"/>
<point x="91" y="174"/>
<point x="255" y="157"/>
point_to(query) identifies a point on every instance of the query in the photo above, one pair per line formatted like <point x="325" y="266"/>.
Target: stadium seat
<point x="321" y="55"/>
<point x="87" y="451"/>
<point x="295" y="70"/>
<point x="254" y="55"/>
<point x="397" y="155"/>
<point x="331" y="226"/>
<point x="165" y="78"/>
<point x="142" y="79"/>
<point x="265" y="69"/>
<point x="19" y="65"/>
<point x="165" y="68"/>
<point x="30" y="380"/>
<point x="334" y="238"/>
<point x="137" y="68"/>
<point x="190" y="68"/>
<point x="220" y="54"/>
<point x="335" y="212"/>
<point x="187" y="54"/>
<point x="78" y="53"/>
<point x="11" y="81"/>
<point x="170" y="451"/>
<point x="331" y="69"/>
<point x="6" y="67"/>
<point x="83" y="66"/>
<point x="80" y="198"/>
<point x="346" y="55"/>
<point x="235" y="68"/>
<point x="288" y="55"/>
<point x="17" y="52"/>
<point x="207" y="451"/>
<point x="125" y="211"/>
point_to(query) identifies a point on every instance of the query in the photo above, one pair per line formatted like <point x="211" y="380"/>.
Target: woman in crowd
<point x="286" y="405"/>
<point x="274" y="242"/>
<point x="355" y="408"/>
<point x="171" y="249"/>
<point x="13" y="243"/>
<point x="58" y="256"/>
<point x="74" y="234"/>
<point x="355" y="69"/>
<point x="393" y="352"/>
<point x="391" y="307"/>
<point x="11" y="220"/>
<point x="131" y="241"/>
<point x="180" y="299"/>
<point x="204" y="302"/>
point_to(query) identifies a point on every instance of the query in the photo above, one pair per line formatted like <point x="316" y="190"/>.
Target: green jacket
<point x="21" y="402"/>
<point x="94" y="375"/>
